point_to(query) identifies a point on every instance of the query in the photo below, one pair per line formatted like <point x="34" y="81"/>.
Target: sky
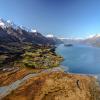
<point x="63" y="18"/>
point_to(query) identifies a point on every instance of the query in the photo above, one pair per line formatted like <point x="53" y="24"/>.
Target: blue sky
<point x="65" y="18"/>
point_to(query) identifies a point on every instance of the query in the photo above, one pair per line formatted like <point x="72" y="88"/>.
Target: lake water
<point x="80" y="59"/>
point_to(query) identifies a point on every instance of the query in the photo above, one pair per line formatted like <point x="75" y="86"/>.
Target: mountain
<point x="9" y="32"/>
<point x="71" y="40"/>
<point x="54" y="39"/>
<point x="93" y="40"/>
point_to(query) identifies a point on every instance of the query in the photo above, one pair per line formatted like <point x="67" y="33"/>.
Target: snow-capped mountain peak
<point x="94" y="36"/>
<point x="2" y="23"/>
<point x="9" y="23"/>
<point x="97" y="35"/>
<point x="24" y="28"/>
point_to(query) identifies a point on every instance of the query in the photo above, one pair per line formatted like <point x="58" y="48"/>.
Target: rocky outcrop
<point x="57" y="85"/>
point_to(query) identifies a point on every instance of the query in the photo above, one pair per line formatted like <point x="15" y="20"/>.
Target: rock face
<point x="57" y="85"/>
<point x="10" y="34"/>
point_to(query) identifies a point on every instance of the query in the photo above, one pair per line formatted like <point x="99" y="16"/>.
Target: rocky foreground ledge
<point x="56" y="85"/>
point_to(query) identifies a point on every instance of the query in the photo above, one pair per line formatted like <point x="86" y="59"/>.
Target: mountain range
<point x="12" y="33"/>
<point x="9" y="32"/>
<point x="92" y="41"/>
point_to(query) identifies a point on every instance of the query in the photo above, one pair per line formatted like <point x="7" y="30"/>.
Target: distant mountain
<point x="54" y="39"/>
<point x="93" y="40"/>
<point x="9" y="32"/>
<point x="71" y="40"/>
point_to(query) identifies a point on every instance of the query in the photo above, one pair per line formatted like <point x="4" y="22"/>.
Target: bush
<point x="30" y="64"/>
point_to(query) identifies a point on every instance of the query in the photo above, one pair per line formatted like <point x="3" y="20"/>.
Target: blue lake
<point x="80" y="59"/>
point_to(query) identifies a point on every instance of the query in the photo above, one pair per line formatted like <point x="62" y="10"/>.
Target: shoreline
<point x="51" y="80"/>
<point x="96" y="76"/>
<point x="21" y="83"/>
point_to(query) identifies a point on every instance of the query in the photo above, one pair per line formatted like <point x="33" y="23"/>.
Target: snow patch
<point x="33" y="30"/>
<point x="50" y="35"/>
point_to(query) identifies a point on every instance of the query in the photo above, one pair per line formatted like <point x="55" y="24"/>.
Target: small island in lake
<point x="68" y="45"/>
